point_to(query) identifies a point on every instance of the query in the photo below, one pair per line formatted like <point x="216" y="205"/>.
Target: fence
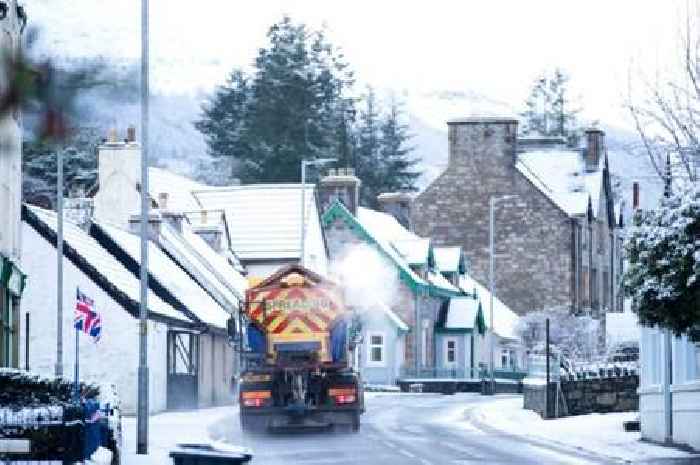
<point x="459" y="374"/>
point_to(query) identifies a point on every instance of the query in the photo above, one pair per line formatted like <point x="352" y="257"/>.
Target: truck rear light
<point x="343" y="395"/>
<point x="255" y="398"/>
<point x="345" y="399"/>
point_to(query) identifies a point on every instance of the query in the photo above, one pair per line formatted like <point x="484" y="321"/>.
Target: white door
<point x="450" y="353"/>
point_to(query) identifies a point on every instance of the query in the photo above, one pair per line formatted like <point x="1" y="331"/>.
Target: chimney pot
<point x="163" y="200"/>
<point x="204" y="217"/>
<point x="131" y="134"/>
<point x="635" y="195"/>
<point x="112" y="136"/>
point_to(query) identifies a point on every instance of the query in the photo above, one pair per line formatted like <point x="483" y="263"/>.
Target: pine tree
<point x="286" y="111"/>
<point x="223" y="119"/>
<point x="368" y="166"/>
<point x="398" y="168"/>
<point x="549" y="110"/>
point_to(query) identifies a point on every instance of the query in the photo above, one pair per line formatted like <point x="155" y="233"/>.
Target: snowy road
<point x="422" y="429"/>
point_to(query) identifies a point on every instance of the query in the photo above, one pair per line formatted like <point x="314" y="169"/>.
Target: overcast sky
<point x="491" y="47"/>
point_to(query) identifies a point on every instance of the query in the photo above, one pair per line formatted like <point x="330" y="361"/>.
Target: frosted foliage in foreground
<point x="576" y="337"/>
<point x="663" y="247"/>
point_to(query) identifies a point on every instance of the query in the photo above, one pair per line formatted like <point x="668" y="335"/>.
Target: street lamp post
<point x="492" y="205"/>
<point x="304" y="164"/>
<point x="142" y="408"/>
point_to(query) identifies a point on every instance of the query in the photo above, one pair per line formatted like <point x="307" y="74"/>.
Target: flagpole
<point x="76" y="388"/>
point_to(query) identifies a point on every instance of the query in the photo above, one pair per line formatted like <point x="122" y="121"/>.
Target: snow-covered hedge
<point x="663" y="249"/>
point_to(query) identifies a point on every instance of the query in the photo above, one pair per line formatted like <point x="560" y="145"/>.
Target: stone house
<point x="423" y="288"/>
<point x="556" y="241"/>
<point x="12" y="278"/>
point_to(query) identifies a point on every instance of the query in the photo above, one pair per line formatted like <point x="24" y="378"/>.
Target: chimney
<point x="635" y="195"/>
<point x="482" y="140"/>
<point x="595" y="148"/>
<point x="398" y="205"/>
<point x="130" y="134"/>
<point x="211" y="232"/>
<point x="341" y="184"/>
<point x="154" y="223"/>
<point x="119" y="178"/>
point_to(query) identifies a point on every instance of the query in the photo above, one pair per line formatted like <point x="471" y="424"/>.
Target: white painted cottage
<point x="12" y="277"/>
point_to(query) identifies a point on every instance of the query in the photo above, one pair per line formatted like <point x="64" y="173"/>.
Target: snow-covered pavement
<point x="416" y="429"/>
<point x="168" y="429"/>
<point x="600" y="434"/>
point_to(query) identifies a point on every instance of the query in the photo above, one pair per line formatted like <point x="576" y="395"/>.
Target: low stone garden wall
<point x="584" y="396"/>
<point x="454" y="386"/>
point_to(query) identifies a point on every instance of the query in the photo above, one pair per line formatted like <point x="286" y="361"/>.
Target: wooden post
<point x="546" y="387"/>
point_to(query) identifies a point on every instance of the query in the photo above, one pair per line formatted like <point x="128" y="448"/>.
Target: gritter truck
<point x="295" y="366"/>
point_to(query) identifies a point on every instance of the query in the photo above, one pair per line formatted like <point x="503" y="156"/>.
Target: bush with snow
<point x="574" y="337"/>
<point x="663" y="249"/>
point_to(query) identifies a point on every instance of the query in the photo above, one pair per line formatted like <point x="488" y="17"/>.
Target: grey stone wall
<point x="581" y="397"/>
<point x="533" y="239"/>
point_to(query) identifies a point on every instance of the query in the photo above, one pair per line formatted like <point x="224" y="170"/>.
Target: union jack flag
<point x="87" y="319"/>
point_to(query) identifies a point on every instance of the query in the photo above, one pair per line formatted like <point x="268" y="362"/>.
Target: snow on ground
<point x="168" y="429"/>
<point x="597" y="433"/>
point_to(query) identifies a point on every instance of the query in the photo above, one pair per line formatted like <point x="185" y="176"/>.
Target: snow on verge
<point x="596" y="433"/>
<point x="168" y="429"/>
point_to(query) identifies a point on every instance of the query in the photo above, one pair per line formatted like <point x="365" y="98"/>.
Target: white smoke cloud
<point x="367" y="277"/>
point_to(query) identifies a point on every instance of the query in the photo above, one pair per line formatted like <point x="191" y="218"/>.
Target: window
<point x="450" y="351"/>
<point x="376" y="349"/>
<point x="505" y="358"/>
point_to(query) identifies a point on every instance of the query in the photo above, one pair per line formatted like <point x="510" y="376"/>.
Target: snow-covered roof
<point x="505" y="319"/>
<point x="438" y="280"/>
<point x="179" y="189"/>
<point x="265" y="218"/>
<point x="105" y="263"/>
<point x="414" y="251"/>
<point x="383" y="227"/>
<point x="393" y="317"/>
<point x="462" y="313"/>
<point x="193" y="253"/>
<point x="447" y="259"/>
<point x="561" y="175"/>
<point x="171" y="276"/>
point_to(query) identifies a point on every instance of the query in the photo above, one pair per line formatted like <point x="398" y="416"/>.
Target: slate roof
<point x="100" y="266"/>
<point x="174" y="280"/>
<point x="265" y="218"/>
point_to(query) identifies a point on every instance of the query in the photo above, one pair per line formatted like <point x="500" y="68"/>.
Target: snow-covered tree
<point x="663" y="276"/>
<point x="399" y="169"/>
<point x="549" y="109"/>
<point x="283" y="112"/>
<point x="367" y="163"/>
<point x="576" y="337"/>
<point x="39" y="165"/>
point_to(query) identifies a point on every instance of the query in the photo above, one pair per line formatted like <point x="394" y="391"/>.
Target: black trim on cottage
<point x="123" y="257"/>
<point x="116" y="294"/>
